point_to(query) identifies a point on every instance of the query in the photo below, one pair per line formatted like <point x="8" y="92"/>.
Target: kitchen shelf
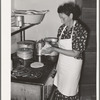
<point x="22" y="30"/>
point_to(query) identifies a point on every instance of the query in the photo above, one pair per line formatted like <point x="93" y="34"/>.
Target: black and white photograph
<point x="52" y="50"/>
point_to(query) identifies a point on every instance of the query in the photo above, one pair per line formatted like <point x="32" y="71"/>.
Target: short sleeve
<point x="79" y="38"/>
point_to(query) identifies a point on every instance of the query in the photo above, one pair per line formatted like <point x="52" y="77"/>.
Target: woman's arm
<point x="72" y="53"/>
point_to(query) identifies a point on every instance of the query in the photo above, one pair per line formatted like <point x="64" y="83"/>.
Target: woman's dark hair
<point x="68" y="8"/>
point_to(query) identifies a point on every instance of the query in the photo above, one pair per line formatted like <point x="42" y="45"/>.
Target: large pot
<point x="52" y="58"/>
<point x="25" y="53"/>
<point x="26" y="44"/>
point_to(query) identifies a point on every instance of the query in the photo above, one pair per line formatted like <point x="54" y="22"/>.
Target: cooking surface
<point x="31" y="75"/>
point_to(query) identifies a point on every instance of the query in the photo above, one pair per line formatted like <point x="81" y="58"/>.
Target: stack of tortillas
<point x="37" y="65"/>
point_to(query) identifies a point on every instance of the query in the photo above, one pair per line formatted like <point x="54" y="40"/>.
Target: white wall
<point x="51" y="22"/>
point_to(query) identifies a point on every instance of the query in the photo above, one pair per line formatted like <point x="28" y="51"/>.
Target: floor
<point x="87" y="92"/>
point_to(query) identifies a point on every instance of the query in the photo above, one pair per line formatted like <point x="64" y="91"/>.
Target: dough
<point x="36" y="65"/>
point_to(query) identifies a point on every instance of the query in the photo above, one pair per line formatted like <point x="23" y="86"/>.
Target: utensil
<point x="31" y="16"/>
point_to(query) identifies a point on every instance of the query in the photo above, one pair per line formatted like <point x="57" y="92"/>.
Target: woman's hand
<point x="47" y="50"/>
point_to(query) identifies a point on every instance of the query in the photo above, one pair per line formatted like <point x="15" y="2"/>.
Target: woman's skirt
<point x="59" y="96"/>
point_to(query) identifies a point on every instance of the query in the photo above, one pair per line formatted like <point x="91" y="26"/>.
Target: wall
<point x="15" y="38"/>
<point x="89" y="18"/>
<point x="51" y="21"/>
<point x="88" y="75"/>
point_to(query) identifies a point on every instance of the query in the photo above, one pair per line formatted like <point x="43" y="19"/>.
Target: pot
<point x="25" y="53"/>
<point x="50" y="59"/>
<point x="26" y="44"/>
<point x="53" y="58"/>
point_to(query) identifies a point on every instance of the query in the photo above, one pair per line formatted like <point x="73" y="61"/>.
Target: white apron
<point x="68" y="70"/>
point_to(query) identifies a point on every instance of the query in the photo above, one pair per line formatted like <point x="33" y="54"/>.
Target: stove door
<point x="21" y="91"/>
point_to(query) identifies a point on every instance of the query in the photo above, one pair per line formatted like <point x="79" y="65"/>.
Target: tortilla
<point x="36" y="65"/>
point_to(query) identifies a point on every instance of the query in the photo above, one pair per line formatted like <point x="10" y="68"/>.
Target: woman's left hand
<point x="47" y="50"/>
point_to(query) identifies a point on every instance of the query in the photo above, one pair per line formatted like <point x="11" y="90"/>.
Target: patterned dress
<point x="79" y="37"/>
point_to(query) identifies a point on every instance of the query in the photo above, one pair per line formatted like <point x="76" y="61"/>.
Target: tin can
<point x="25" y="53"/>
<point x="19" y="21"/>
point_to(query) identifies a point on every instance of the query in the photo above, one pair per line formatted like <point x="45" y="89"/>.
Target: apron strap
<point x="62" y="32"/>
<point x="65" y="28"/>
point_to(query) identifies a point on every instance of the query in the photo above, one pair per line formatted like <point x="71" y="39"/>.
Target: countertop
<point x="46" y="70"/>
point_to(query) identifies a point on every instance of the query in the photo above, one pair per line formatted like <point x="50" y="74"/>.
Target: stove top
<point x="23" y="72"/>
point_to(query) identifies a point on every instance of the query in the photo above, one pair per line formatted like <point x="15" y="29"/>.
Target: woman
<point x="72" y="42"/>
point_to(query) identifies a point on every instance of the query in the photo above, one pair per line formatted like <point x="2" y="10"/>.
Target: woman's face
<point x="65" y="19"/>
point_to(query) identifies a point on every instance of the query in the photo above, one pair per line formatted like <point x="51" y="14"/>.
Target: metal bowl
<point x="31" y="16"/>
<point x="52" y="40"/>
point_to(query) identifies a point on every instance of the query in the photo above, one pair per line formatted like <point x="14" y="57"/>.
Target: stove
<point x="24" y="72"/>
